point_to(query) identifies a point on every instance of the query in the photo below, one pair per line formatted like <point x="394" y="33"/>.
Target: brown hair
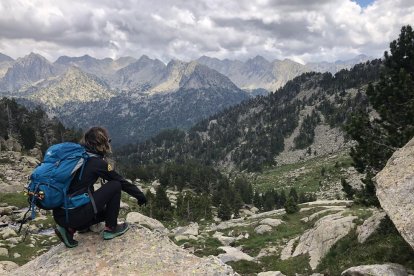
<point x="97" y="139"/>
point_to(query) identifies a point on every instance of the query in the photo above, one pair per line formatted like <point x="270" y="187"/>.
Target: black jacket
<point x="96" y="167"/>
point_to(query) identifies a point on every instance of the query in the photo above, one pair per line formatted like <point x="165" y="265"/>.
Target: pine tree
<point x="393" y="100"/>
<point x="347" y="189"/>
<point x="224" y="211"/>
<point x="291" y="206"/>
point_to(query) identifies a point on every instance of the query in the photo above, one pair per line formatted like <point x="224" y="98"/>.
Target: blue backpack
<point x="50" y="181"/>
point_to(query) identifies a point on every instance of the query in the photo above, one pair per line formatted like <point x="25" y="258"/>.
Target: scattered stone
<point x="7" y="266"/>
<point x="326" y="232"/>
<point x="224" y="239"/>
<point x="7" y="233"/>
<point x="137" y="218"/>
<point x="4" y="251"/>
<point x="395" y="190"/>
<point x="271" y="273"/>
<point x="14" y="240"/>
<point x="263" y="228"/>
<point x="376" y="270"/>
<point x="370" y="226"/>
<point x="271" y="222"/>
<point x="233" y="254"/>
<point x="16" y="255"/>
<point x="191" y="229"/>
<point x="7" y="211"/>
<point x="124" y="205"/>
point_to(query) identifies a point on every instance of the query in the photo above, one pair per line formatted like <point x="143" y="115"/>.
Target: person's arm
<point x="105" y="171"/>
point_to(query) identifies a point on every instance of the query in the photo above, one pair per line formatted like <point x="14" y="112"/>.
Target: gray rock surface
<point x="4" y="251"/>
<point x="376" y="270"/>
<point x="15" y="169"/>
<point x="319" y="240"/>
<point x="6" y="267"/>
<point x="191" y="229"/>
<point x="369" y="226"/>
<point x="263" y="228"/>
<point x="137" y="218"/>
<point x="271" y="273"/>
<point x="137" y="252"/>
<point x="271" y="222"/>
<point x="233" y="254"/>
<point x="395" y="190"/>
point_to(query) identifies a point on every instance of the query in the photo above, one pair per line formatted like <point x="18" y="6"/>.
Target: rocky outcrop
<point x="6" y="267"/>
<point x="150" y="223"/>
<point x="376" y="270"/>
<point x="318" y="241"/>
<point x="395" y="190"/>
<point x="138" y="252"/>
<point x="369" y="226"/>
<point x="15" y="169"/>
<point x="233" y="254"/>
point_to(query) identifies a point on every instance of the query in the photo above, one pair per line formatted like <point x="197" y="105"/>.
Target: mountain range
<point x="85" y="91"/>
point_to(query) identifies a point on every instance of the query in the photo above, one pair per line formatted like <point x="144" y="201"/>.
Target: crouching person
<point x="104" y="203"/>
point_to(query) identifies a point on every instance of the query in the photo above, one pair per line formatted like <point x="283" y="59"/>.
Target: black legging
<point x="107" y="200"/>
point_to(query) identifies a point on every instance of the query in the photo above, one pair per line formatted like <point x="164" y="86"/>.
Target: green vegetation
<point x="14" y="199"/>
<point x="203" y="247"/>
<point x="32" y="126"/>
<point x="299" y="264"/>
<point x="43" y="243"/>
<point x="249" y="136"/>
<point x="308" y="176"/>
<point x="392" y="99"/>
<point x="382" y="247"/>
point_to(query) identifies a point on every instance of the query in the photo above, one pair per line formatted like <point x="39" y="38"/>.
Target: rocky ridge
<point x="395" y="190"/>
<point x="138" y="252"/>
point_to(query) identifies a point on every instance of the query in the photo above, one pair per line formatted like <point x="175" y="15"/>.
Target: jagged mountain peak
<point x="32" y="58"/>
<point x="5" y="58"/>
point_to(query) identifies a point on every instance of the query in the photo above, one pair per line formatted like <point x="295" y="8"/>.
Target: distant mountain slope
<point x="260" y="73"/>
<point x="5" y="63"/>
<point x="135" y="119"/>
<point x="256" y="132"/>
<point x="102" y="68"/>
<point x="73" y="86"/>
<point x="31" y="128"/>
<point x="140" y="75"/>
<point x="25" y="71"/>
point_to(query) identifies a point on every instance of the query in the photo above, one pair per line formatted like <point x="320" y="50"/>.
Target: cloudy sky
<point x="303" y="30"/>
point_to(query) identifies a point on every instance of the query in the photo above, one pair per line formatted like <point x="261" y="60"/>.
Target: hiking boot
<point x="112" y="232"/>
<point x="66" y="236"/>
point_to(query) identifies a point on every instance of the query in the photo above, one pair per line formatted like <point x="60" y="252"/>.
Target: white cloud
<point x="299" y="29"/>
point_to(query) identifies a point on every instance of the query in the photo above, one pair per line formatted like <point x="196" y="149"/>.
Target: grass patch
<point x="308" y="176"/>
<point x="28" y="253"/>
<point x="5" y="161"/>
<point x="299" y="264"/>
<point x="14" y="199"/>
<point x="386" y="245"/>
<point x="245" y="267"/>
<point x="207" y="247"/>
<point x="290" y="229"/>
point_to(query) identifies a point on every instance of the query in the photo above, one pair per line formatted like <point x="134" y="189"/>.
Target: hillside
<point x="21" y="128"/>
<point x="302" y="120"/>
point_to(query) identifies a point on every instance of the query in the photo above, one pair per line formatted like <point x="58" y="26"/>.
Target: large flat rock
<point x="138" y="252"/>
<point x="395" y="190"/>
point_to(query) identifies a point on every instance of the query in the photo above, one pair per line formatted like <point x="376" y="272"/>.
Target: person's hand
<point x="142" y="200"/>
